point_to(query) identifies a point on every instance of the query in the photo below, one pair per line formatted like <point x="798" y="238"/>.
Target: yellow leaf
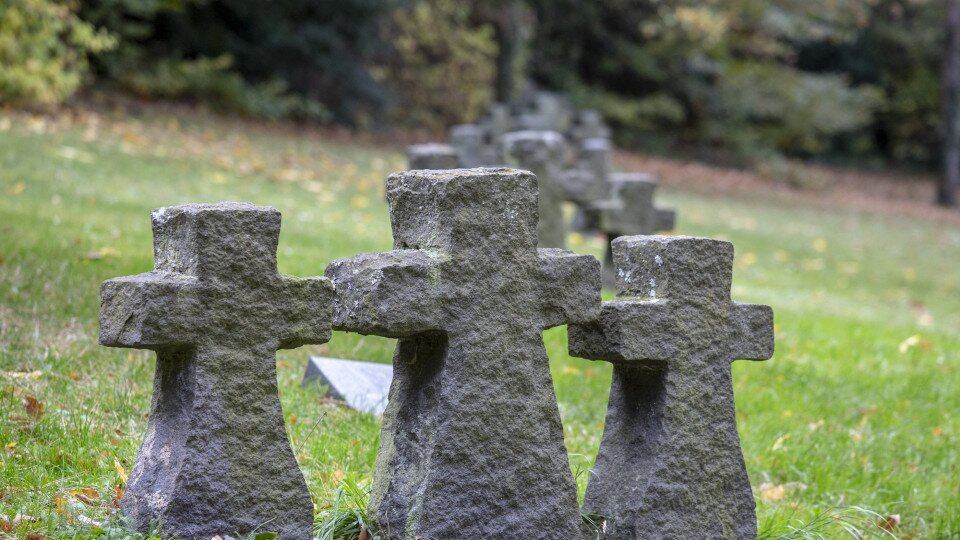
<point x="909" y="343"/>
<point x="359" y="201"/>
<point x="88" y="496"/>
<point x="16" y="189"/>
<point x="772" y="492"/>
<point x="820" y="245"/>
<point x="937" y="431"/>
<point x="11" y="445"/>
<point x="778" y="444"/>
<point x="570" y="370"/>
<point x="120" y="470"/>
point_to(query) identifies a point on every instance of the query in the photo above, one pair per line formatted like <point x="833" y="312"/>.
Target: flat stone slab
<point x="364" y="386"/>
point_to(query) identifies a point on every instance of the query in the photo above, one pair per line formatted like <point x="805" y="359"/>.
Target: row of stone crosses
<point x="471" y="445"/>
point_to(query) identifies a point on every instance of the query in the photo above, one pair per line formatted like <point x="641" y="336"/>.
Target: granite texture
<point x="216" y="458"/>
<point x="541" y="152"/>
<point x="670" y="463"/>
<point x="471" y="445"/>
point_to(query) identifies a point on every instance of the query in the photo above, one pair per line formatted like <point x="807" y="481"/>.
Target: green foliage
<point x="347" y="515"/>
<point x="43" y="48"/>
<point x="440" y="66"/>
<point x="714" y="74"/>
<point x="212" y="80"/>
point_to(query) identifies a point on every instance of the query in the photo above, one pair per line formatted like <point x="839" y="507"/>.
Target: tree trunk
<point x="510" y="20"/>
<point x="950" y="176"/>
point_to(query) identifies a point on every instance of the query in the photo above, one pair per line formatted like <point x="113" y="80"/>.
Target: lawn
<point x="853" y="426"/>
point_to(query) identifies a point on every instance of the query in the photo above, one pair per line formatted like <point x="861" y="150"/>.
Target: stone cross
<point x="471" y="444"/>
<point x="470" y="144"/>
<point x="432" y="156"/>
<point x="589" y="125"/>
<point x="629" y="211"/>
<point x="670" y="463"/>
<point x="216" y="458"/>
<point x="541" y="152"/>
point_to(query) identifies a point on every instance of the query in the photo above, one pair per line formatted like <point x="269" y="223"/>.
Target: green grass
<point x="855" y="419"/>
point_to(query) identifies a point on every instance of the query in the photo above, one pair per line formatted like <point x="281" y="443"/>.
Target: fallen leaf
<point x="73" y="376"/>
<point x="909" y="343"/>
<point x="820" y="245"/>
<point x="937" y="431"/>
<point x="35" y="536"/>
<point x="772" y="492"/>
<point x="778" y="444"/>
<point x="15" y="375"/>
<point x="117" y="496"/>
<point x="88" y="496"/>
<point x="364" y="535"/>
<point x="890" y="523"/>
<point x="33" y="407"/>
<point x="120" y="470"/>
<point x="11" y="445"/>
<point x="570" y="370"/>
<point x="16" y="189"/>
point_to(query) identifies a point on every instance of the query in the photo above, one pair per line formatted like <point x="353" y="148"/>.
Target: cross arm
<point x="628" y="331"/>
<point x="665" y="219"/>
<point x="149" y="311"/>
<point x="391" y="294"/>
<point x="309" y="311"/>
<point x="751" y="331"/>
<point x="569" y="287"/>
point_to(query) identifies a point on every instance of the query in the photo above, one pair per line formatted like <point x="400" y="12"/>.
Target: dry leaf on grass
<point x="88" y="496"/>
<point x="33" y="407"/>
<point x="772" y="492"/>
<point x="890" y="523"/>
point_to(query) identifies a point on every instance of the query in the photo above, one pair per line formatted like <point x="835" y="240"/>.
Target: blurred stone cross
<point x="216" y="459"/>
<point x="615" y="204"/>
<point x="472" y="445"/>
<point x="541" y="152"/>
<point x="432" y="156"/>
<point x="670" y="463"/>
<point x="629" y="211"/>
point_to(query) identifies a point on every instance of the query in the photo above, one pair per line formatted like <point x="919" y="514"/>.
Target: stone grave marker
<point x="541" y="152"/>
<point x="588" y="125"/>
<point x="363" y="386"/>
<point x="216" y="458"/>
<point x="670" y="463"/>
<point x="469" y="141"/>
<point x="471" y="445"/>
<point x="432" y="156"/>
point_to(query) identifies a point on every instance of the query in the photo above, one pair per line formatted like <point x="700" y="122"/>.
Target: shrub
<point x="43" y="51"/>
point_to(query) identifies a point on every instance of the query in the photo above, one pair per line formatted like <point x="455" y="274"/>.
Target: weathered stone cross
<point x="216" y="458"/>
<point x="670" y="463"/>
<point x="541" y="152"/>
<point x="472" y="445"/>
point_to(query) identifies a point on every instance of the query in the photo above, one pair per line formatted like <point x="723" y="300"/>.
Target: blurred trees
<point x="43" y="51"/>
<point x="950" y="174"/>
<point x="851" y="80"/>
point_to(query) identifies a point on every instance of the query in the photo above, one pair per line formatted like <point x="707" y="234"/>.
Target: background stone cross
<point x="541" y="152"/>
<point x="471" y="445"/>
<point x="432" y="156"/>
<point x="670" y="463"/>
<point x="216" y="458"/>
